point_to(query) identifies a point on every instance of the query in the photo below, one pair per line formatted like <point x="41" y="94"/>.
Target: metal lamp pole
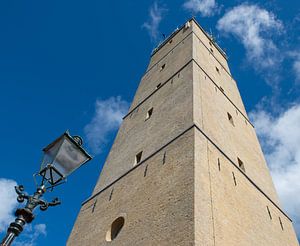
<point x="25" y="215"/>
<point x="62" y="157"/>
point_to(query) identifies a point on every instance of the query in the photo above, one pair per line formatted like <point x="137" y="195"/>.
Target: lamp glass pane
<point x="69" y="157"/>
<point x="51" y="152"/>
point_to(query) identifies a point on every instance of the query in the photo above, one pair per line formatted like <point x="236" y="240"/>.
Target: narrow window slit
<point x="270" y="215"/>
<point x="94" y="206"/>
<point x="234" y="180"/>
<point x="164" y="158"/>
<point x="162" y="67"/>
<point x="159" y="85"/>
<point x="145" y="171"/>
<point x="111" y="194"/>
<point x="281" y="225"/>
<point x="219" y="164"/>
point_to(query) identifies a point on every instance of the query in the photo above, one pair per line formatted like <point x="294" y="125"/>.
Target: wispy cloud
<point x="254" y="27"/>
<point x="295" y="55"/>
<point x="156" y="14"/>
<point x="8" y="202"/>
<point x="107" y="118"/>
<point x="205" y="8"/>
<point x="8" y="206"/>
<point x="280" y="138"/>
<point x="30" y="235"/>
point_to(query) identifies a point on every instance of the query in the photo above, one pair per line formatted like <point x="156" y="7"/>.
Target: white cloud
<point x="30" y="235"/>
<point x="8" y="202"/>
<point x="156" y="13"/>
<point x="107" y="118"/>
<point x="254" y="27"/>
<point x="204" y="7"/>
<point x="8" y="206"/>
<point x="280" y="138"/>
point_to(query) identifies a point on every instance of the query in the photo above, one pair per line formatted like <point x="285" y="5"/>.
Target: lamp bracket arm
<point x="21" y="194"/>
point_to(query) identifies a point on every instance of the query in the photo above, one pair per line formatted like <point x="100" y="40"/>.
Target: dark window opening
<point x="162" y="67"/>
<point x="230" y="118"/>
<point x="241" y="164"/>
<point x="212" y="51"/>
<point x="159" y="85"/>
<point x="221" y="89"/>
<point x="149" y="113"/>
<point x="171" y="40"/>
<point x="115" y="229"/>
<point x="218" y="70"/>
<point x="138" y="158"/>
<point x="219" y="164"/>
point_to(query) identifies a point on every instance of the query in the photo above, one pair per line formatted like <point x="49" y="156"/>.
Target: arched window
<point x="115" y="229"/>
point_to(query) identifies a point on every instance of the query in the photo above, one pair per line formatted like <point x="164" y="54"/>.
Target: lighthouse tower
<point x="186" y="167"/>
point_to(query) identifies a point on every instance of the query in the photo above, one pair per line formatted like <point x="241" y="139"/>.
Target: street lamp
<point x="62" y="157"/>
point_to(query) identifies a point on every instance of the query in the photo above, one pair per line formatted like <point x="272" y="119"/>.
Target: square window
<point x="138" y="158"/>
<point x="241" y="165"/>
<point x="149" y="113"/>
<point x="230" y="118"/>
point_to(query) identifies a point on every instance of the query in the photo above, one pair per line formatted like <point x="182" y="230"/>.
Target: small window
<point x="217" y="69"/>
<point x="162" y="67"/>
<point x="241" y="165"/>
<point x="138" y="158"/>
<point x="115" y="229"/>
<point x="149" y="113"/>
<point x="230" y="118"/>
<point x="210" y="43"/>
<point x="159" y="85"/>
<point x="221" y="89"/>
<point x="211" y="50"/>
<point x="171" y="40"/>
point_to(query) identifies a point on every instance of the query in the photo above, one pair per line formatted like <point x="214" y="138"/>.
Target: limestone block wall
<point x="240" y="212"/>
<point x="164" y="69"/>
<point x="172" y="113"/>
<point x="237" y="138"/>
<point x="156" y="199"/>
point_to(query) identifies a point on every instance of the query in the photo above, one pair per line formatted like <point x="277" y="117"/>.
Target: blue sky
<point x="76" y="65"/>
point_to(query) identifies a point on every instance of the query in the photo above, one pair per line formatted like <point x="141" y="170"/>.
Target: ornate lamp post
<point x="61" y="158"/>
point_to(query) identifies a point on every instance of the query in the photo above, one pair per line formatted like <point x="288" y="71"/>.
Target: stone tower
<point x="186" y="167"/>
